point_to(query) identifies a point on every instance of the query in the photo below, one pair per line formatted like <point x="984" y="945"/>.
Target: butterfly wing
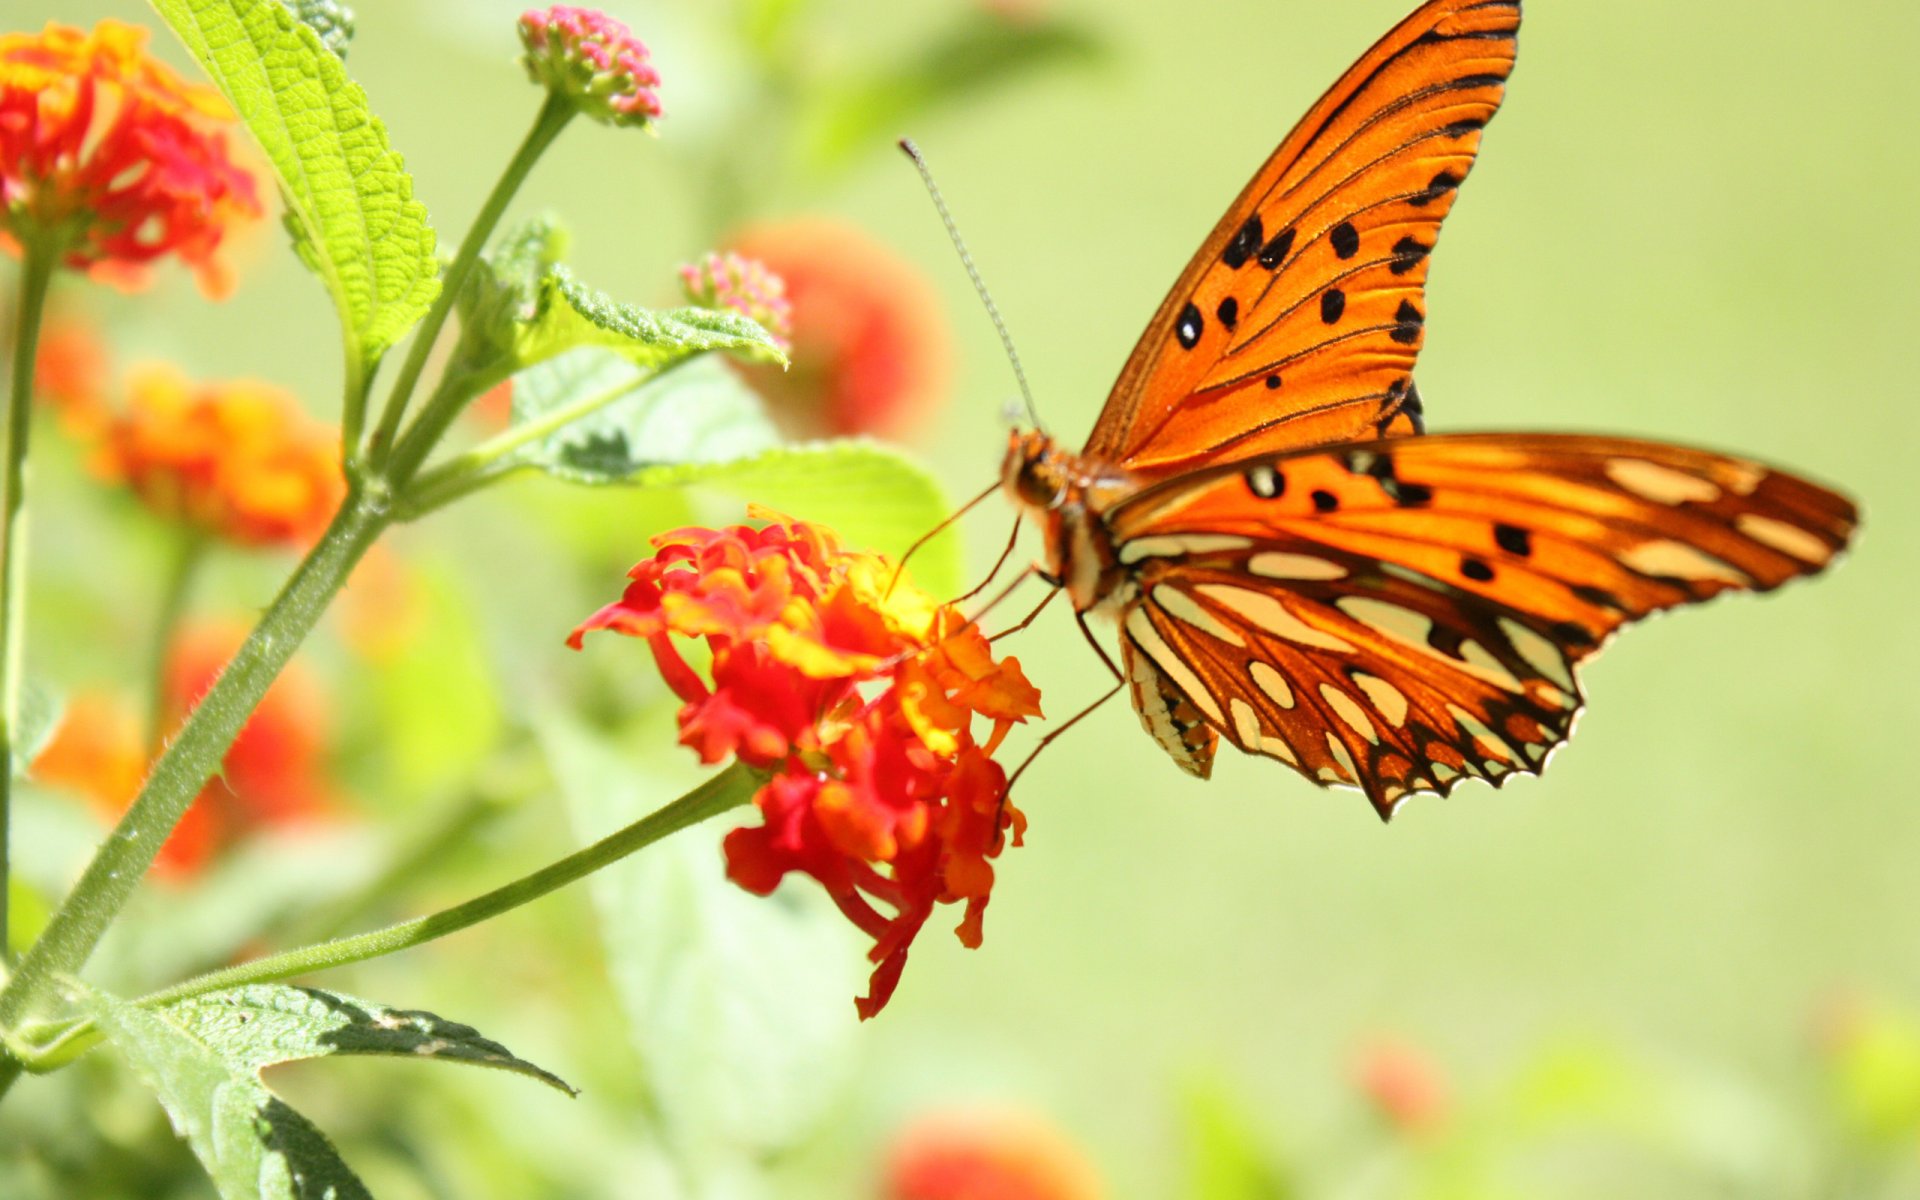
<point x="1298" y="321"/>
<point x="1401" y="614"/>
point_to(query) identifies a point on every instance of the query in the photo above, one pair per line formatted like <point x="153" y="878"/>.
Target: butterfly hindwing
<point x="1424" y="601"/>
<point x="1299" y="320"/>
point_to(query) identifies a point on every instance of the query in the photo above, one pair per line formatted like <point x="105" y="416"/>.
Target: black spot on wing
<point x="1228" y="312"/>
<point x="1275" y="252"/>
<point x="1333" y="303"/>
<point x="1188" y="328"/>
<point x="1244" y="244"/>
<point x="1345" y="240"/>
<point x="1476" y="569"/>
<point x="1513" y="539"/>
<point x="1407" y="254"/>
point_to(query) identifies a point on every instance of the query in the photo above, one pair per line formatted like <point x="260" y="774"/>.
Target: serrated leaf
<point x="330" y="19"/>
<point x="251" y="1143"/>
<point x="979" y="52"/>
<point x="349" y="198"/>
<point x="737" y="1004"/>
<point x="567" y="315"/>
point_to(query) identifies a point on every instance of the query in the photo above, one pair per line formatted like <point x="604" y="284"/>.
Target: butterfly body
<point x="1293" y="563"/>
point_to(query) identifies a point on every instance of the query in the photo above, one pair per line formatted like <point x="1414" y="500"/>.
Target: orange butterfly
<point x="1294" y="564"/>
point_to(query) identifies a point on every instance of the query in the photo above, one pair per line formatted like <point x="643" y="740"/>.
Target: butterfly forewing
<point x="1298" y="322"/>
<point x="1422" y="602"/>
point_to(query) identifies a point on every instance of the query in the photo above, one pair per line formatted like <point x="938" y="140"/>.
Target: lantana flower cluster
<point x="858" y="694"/>
<point x="239" y="460"/>
<point x="596" y="61"/>
<point x="742" y="285"/>
<point x="116" y="158"/>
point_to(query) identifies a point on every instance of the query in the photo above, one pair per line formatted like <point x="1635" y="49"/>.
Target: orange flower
<point x="871" y="352"/>
<point x="106" y="149"/>
<point x="70" y="375"/>
<point x="239" y="460"/>
<point x="988" y="1157"/>
<point x="1404" y="1086"/>
<point x="273" y="775"/>
<point x="860" y="703"/>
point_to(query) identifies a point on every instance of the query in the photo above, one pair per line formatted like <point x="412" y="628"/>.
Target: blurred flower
<point x="273" y="775"/>
<point x="861" y="705"/>
<point x="728" y="281"/>
<point x="70" y="376"/>
<point x="239" y="460"/>
<point x="988" y="1157"/>
<point x="1404" y="1086"/>
<point x="106" y="149"/>
<point x="871" y="352"/>
<point x="383" y="607"/>
<point x="592" y="58"/>
<point x="493" y="408"/>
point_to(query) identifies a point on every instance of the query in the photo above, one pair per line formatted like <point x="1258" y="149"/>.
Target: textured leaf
<point x="738" y="1005"/>
<point x="979" y="52"/>
<point x="567" y="314"/>
<point x="330" y="19"/>
<point x="349" y="199"/>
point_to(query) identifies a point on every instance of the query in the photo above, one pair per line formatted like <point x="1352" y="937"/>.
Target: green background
<point x="1691" y="221"/>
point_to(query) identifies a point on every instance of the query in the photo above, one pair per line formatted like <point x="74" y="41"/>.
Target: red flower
<point x="861" y="704"/>
<point x="1404" y="1086"/>
<point x="871" y="351"/>
<point x="988" y="1157"/>
<point x="239" y="460"/>
<point x="106" y="149"/>
<point x="273" y="776"/>
<point x="731" y="282"/>
<point x="586" y="54"/>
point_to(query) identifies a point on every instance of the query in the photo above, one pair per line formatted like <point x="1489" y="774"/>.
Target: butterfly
<point x="1295" y="565"/>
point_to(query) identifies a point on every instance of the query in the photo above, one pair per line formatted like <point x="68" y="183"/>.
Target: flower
<point x="1404" y="1086"/>
<point x="731" y="282"/>
<point x="70" y="375"/>
<point x="239" y="460"/>
<point x="107" y="150"/>
<point x="586" y="55"/>
<point x="857" y="696"/>
<point x="988" y="1156"/>
<point x="871" y="351"/>
<point x="273" y="775"/>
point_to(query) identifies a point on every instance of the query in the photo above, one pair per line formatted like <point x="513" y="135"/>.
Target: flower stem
<point x="188" y="762"/>
<point x="552" y="118"/>
<point x="41" y="256"/>
<point x="187" y="557"/>
<point x="728" y="790"/>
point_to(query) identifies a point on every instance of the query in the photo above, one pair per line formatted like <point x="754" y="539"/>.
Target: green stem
<point x="728" y="790"/>
<point x="464" y="473"/>
<point x="188" y="762"/>
<point x="353" y="413"/>
<point x="552" y="118"/>
<point x="187" y="558"/>
<point x="42" y="256"/>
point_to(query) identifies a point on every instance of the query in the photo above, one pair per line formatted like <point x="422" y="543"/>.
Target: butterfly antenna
<point x="979" y="286"/>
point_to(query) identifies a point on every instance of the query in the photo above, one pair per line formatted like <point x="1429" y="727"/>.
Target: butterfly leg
<point x="1028" y="619"/>
<point x="1119" y="676"/>
<point x="930" y="534"/>
<point x="1001" y="811"/>
<point x="1012" y="539"/>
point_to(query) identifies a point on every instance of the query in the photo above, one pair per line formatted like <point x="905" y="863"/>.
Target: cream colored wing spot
<point x="1662" y="485"/>
<point x="1246" y="722"/>
<point x="1486" y="743"/>
<point x="1140" y="629"/>
<point x="1276" y="564"/>
<point x="1743" y="476"/>
<point x="1170" y="546"/>
<point x="1481" y="662"/>
<point x="1279" y="749"/>
<point x="1677" y="560"/>
<point x="1389" y="701"/>
<point x="1788" y="539"/>
<point x="1273" y="683"/>
<point x="1350" y="713"/>
<point x="1346" y="772"/>
<point x="1182" y="607"/>
<point x="1542" y="655"/>
<point x="1269" y="614"/>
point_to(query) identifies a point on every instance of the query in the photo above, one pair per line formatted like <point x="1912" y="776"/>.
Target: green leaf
<point x="330" y="19"/>
<point x="739" y="1006"/>
<point x="41" y="708"/>
<point x="253" y="1145"/>
<point x="349" y="199"/>
<point x="1229" y="1162"/>
<point x="568" y="314"/>
<point x="979" y="52"/>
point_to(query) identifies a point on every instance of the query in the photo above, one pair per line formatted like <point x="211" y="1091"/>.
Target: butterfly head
<point x="1035" y="472"/>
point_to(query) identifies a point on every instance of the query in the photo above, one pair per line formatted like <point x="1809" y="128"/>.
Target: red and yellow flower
<point x="871" y="350"/>
<point x="988" y="1156"/>
<point x="238" y="460"/>
<point x="859" y="697"/>
<point x="115" y="157"/>
<point x="274" y="774"/>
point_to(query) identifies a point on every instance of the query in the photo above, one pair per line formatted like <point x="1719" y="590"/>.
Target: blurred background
<point x="1684" y="963"/>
